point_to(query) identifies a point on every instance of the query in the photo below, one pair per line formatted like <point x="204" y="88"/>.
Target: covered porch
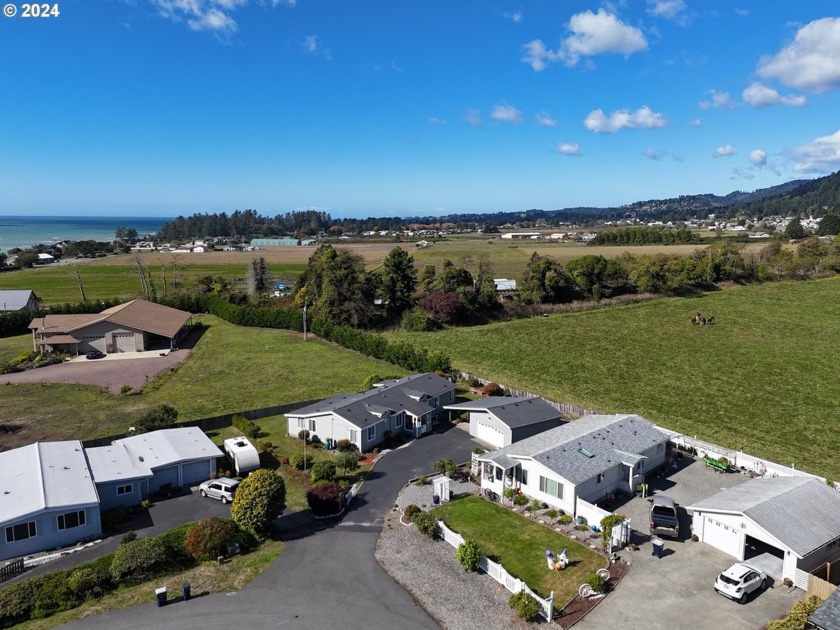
<point x="500" y="473"/>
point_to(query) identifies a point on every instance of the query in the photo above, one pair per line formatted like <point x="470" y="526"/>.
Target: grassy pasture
<point x="762" y="379"/>
<point x="231" y="369"/>
<point x="10" y="347"/>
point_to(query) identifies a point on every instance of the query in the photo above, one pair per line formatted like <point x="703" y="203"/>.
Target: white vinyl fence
<point x="592" y="513"/>
<point x="498" y="573"/>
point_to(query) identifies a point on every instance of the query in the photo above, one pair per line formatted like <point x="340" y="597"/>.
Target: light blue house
<point x="120" y="478"/>
<point x="47" y="498"/>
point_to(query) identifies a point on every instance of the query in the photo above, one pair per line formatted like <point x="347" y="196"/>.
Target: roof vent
<point x="584" y="451"/>
<point x="141" y="458"/>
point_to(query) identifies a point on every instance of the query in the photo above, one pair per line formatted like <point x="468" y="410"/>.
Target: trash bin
<point x="160" y="593"/>
<point x="186" y="590"/>
<point x="657" y="545"/>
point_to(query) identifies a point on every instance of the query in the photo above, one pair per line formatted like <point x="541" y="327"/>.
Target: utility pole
<point x="305" y="305"/>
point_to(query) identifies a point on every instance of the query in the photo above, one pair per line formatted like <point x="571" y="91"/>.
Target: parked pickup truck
<point x="663" y="517"/>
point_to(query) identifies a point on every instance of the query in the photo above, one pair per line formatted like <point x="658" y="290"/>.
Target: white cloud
<point x="545" y="119"/>
<point x="759" y="95"/>
<point x="643" y="118"/>
<point x="822" y="156"/>
<point x="718" y="100"/>
<point x="696" y="123"/>
<point x="675" y="10"/>
<point x="591" y="34"/>
<point x="651" y="154"/>
<point x="513" y="16"/>
<point x="741" y="12"/>
<point x="506" y="113"/>
<point x="569" y="149"/>
<point x="725" y="151"/>
<point x="437" y="121"/>
<point x="209" y="15"/>
<point x="313" y="45"/>
<point x="811" y="62"/>
<point x="472" y="117"/>
<point x="758" y="158"/>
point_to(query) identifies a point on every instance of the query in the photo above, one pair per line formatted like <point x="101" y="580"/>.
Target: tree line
<point x="644" y="236"/>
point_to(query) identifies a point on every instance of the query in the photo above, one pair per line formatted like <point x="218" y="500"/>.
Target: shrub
<point x="53" y="595"/>
<point x="409" y="511"/>
<point x="92" y="580"/>
<point x="125" y="389"/>
<point x="418" y="320"/>
<point x="160" y="417"/>
<point x="303" y="434"/>
<point x="348" y="462"/>
<point x="552" y="513"/>
<point x="520" y="499"/>
<point x="474" y="382"/>
<point x="139" y="560"/>
<point x="796" y="618"/>
<point x="607" y="524"/>
<point x="326" y="499"/>
<point x="208" y="539"/>
<point x="478" y="451"/>
<point x="283" y="460"/>
<point x="444" y="466"/>
<point x="524" y="605"/>
<point x="535" y="505"/>
<point x="469" y="555"/>
<point x="17" y="602"/>
<point x="565" y="519"/>
<point x="248" y="428"/>
<point x="345" y="446"/>
<point x="299" y="462"/>
<point x="596" y="582"/>
<point x="493" y="389"/>
<point x="426" y="524"/>
<point x="146" y="504"/>
<point x="259" y="499"/>
<point x="421" y="481"/>
<point x="324" y="470"/>
<point x="129" y="536"/>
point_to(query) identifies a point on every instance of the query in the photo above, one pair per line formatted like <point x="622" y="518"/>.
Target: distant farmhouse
<point x="22" y="300"/>
<point x="394" y="406"/>
<point x="135" y="326"/>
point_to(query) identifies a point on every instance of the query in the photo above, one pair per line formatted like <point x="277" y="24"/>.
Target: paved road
<point x="327" y="576"/>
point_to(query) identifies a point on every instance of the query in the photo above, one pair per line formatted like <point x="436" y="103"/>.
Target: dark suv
<point x="663" y="517"/>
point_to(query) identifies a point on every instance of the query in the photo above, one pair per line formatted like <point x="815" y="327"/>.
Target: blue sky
<point x="165" y="107"/>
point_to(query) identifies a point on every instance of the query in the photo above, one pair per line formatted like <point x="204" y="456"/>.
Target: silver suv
<point x="222" y="489"/>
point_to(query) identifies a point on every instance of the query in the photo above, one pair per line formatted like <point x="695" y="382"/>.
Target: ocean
<point x="20" y="231"/>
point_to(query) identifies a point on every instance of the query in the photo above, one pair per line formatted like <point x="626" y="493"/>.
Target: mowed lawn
<point x="231" y="369"/>
<point x="763" y="378"/>
<point x="520" y="544"/>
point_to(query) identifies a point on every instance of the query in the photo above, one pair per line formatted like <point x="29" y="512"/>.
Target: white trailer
<point x="242" y="455"/>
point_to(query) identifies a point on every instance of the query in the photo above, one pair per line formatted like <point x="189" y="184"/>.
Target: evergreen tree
<point x="794" y="230"/>
<point x="399" y="281"/>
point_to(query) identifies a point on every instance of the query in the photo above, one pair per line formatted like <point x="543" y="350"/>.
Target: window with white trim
<point x="354" y="436"/>
<point x="21" y="531"/>
<point x="301" y="423"/>
<point x="71" y="520"/>
<point x="398" y="423"/>
<point x="371" y="432"/>
<point x="551" y="487"/>
<point x="126" y="489"/>
<point x="312" y="425"/>
<point x="524" y="474"/>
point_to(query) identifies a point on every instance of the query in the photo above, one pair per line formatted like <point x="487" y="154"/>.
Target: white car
<point x="739" y="580"/>
<point x="222" y="489"/>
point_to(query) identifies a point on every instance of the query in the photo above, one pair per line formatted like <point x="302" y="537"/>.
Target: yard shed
<point x="18" y="300"/>
<point x="242" y="454"/>
<point x="788" y="526"/>
<point x="47" y="498"/>
<point x="178" y="457"/>
<point x="502" y="420"/>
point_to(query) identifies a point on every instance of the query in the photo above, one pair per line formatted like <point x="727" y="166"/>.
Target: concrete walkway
<point x="327" y="576"/>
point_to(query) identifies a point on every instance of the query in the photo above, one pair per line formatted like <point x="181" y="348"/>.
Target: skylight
<point x="584" y="451"/>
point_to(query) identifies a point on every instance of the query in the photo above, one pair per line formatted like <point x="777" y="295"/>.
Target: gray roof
<point x="169" y="446"/>
<point x="14" y="300"/>
<point x="44" y="475"/>
<point x="800" y="512"/>
<point x="606" y="440"/>
<point x="514" y="412"/>
<point x="366" y="408"/>
<point x="827" y="616"/>
<point x="114" y="463"/>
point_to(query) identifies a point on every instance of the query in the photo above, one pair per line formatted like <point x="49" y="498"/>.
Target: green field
<point x="231" y="369"/>
<point x="10" y="347"/>
<point x="762" y="379"/>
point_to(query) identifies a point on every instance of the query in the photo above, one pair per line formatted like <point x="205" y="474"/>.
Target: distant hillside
<point x="816" y="196"/>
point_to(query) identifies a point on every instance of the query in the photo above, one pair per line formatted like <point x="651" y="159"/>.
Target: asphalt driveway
<point x="327" y="576"/>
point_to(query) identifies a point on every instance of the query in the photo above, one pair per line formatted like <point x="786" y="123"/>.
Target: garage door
<point x="491" y="435"/>
<point x="196" y="472"/>
<point x="723" y="537"/>
<point x="162" y="476"/>
<point x="124" y="342"/>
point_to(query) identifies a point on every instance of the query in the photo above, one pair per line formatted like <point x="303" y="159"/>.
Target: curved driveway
<point x="327" y="576"/>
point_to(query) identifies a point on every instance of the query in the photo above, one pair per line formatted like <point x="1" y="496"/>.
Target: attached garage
<point x="196" y="472"/>
<point x="163" y="476"/>
<point x="787" y="526"/>
<point x="94" y="342"/>
<point x="125" y="342"/>
<point x="489" y="434"/>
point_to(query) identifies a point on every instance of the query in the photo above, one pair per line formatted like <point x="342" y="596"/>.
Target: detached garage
<point x="502" y="420"/>
<point x="787" y="526"/>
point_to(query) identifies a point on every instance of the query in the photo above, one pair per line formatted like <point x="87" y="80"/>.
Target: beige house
<point x="135" y="326"/>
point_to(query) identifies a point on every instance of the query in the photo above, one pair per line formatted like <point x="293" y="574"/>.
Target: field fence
<point x="500" y="574"/>
<point x="568" y="410"/>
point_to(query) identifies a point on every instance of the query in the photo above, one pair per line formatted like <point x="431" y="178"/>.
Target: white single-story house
<point x="18" y="300"/>
<point x="790" y="526"/>
<point x="135" y="326"/>
<point x="45" y="259"/>
<point x="407" y="404"/>
<point x="242" y="454"/>
<point x="586" y="458"/>
<point x="502" y="420"/>
<point x="176" y="457"/>
<point x="47" y="498"/>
